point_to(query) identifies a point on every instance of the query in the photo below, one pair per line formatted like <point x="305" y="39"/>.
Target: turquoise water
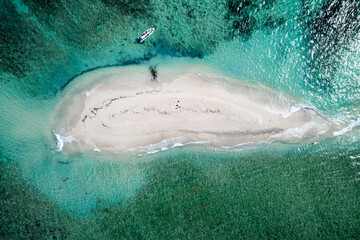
<point x="307" y="49"/>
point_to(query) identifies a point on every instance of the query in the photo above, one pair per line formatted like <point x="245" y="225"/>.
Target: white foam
<point x="242" y="144"/>
<point x="287" y="112"/>
<point x="177" y="145"/>
<point x="197" y="142"/>
<point x="199" y="74"/>
<point x="295" y="134"/>
<point x="188" y="143"/>
<point x="320" y="133"/>
<point x="152" y="152"/>
<point x="60" y="140"/>
<point x="347" y="128"/>
<point x="164" y="145"/>
<point x="143" y="150"/>
<point x="238" y="145"/>
<point x="91" y="144"/>
<point x="90" y="92"/>
<point x="156" y="147"/>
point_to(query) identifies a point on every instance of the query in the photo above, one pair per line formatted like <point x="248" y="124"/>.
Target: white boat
<point x="146" y="34"/>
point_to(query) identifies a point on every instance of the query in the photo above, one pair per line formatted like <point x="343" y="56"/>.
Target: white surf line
<point x="287" y="112"/>
<point x="347" y="128"/>
<point x="60" y="140"/>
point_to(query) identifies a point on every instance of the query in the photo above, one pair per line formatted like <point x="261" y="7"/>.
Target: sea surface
<point x="309" y="50"/>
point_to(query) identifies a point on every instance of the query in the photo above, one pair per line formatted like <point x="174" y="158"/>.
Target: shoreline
<point x="128" y="108"/>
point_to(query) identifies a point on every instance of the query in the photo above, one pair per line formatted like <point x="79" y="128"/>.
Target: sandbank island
<point x="127" y="108"/>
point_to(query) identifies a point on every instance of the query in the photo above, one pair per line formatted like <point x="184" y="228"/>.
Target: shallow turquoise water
<point x="307" y="49"/>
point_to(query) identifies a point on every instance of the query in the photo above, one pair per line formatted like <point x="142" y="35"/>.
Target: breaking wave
<point x="60" y="140"/>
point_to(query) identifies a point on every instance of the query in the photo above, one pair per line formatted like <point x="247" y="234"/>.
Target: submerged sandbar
<point x="127" y="112"/>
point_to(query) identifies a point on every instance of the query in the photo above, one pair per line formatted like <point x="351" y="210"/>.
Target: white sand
<point x="190" y="108"/>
